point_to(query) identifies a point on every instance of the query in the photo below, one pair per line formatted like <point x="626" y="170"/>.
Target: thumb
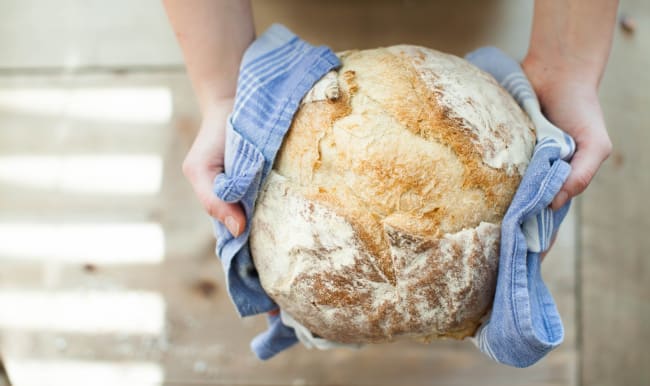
<point x="229" y="214"/>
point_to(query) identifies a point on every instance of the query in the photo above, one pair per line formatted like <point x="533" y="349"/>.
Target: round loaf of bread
<point x="381" y="217"/>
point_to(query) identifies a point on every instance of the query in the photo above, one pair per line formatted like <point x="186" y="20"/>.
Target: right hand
<point x="205" y="161"/>
<point x="570" y="101"/>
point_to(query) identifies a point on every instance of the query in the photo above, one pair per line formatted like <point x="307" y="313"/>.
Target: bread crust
<point x="381" y="217"/>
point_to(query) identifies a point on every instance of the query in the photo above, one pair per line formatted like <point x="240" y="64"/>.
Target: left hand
<point x="206" y="159"/>
<point x="571" y="103"/>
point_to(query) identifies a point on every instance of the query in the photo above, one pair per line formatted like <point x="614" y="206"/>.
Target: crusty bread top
<point x="381" y="217"/>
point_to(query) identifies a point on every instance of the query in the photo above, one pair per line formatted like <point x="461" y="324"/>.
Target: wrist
<point x="550" y="77"/>
<point x="213" y="95"/>
<point x="218" y="108"/>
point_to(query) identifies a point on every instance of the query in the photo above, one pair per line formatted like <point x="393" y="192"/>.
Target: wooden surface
<point x="447" y="25"/>
<point x="73" y="34"/>
<point x="615" y="222"/>
<point x="4" y="378"/>
<point x="193" y="335"/>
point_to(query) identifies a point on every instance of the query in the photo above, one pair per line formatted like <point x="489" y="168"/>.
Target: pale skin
<point x="569" y="47"/>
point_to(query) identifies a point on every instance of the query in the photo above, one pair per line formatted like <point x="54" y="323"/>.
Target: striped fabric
<point x="524" y="324"/>
<point x="538" y="229"/>
<point x="520" y="88"/>
<point x="277" y="70"/>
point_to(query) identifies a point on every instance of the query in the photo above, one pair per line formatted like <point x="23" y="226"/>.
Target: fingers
<point x="201" y="178"/>
<point x="590" y="155"/>
<point x="205" y="160"/>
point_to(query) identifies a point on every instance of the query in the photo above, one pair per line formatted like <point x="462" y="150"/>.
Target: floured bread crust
<point x="382" y="215"/>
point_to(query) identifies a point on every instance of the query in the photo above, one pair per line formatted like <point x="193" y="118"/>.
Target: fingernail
<point x="232" y="226"/>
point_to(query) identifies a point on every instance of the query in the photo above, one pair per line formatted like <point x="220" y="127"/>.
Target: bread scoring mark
<point x="444" y="285"/>
<point x="391" y="83"/>
<point x="452" y="130"/>
<point x="483" y="107"/>
<point x="311" y="145"/>
<point x="451" y="284"/>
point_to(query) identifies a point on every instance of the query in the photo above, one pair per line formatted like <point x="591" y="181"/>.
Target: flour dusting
<point x="484" y="109"/>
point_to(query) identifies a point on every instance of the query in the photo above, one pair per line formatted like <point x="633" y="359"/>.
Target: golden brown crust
<point x="331" y="282"/>
<point x="382" y="215"/>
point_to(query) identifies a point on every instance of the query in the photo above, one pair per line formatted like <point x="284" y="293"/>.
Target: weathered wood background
<point x="52" y="51"/>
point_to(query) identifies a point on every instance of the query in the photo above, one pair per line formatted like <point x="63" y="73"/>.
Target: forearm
<point x="571" y="38"/>
<point x="213" y="35"/>
<point x="569" y="48"/>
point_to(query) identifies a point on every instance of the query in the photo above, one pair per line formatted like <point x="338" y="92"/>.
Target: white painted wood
<point x="72" y="34"/>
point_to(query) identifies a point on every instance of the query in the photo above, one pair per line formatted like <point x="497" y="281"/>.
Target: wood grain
<point x="615" y="222"/>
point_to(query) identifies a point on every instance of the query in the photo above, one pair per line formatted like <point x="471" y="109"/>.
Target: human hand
<point x="571" y="102"/>
<point x="205" y="161"/>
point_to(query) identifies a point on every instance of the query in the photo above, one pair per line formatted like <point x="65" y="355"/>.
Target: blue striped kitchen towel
<point x="525" y="324"/>
<point x="277" y="70"/>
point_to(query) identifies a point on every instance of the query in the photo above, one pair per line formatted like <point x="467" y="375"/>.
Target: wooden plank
<point x="455" y="26"/>
<point x="616" y="220"/>
<point x="4" y="378"/>
<point x="76" y="34"/>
